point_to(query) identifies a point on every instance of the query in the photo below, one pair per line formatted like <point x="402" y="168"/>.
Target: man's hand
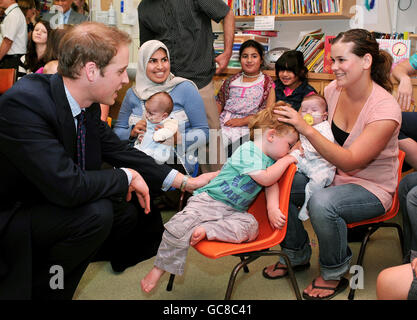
<point x="139" y="186"/>
<point x="276" y="218"/>
<point x="405" y="93"/>
<point x="222" y="61"/>
<point x="200" y="181"/>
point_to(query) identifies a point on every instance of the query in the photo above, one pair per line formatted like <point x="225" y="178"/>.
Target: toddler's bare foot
<point x="151" y="279"/>
<point x="198" y="235"/>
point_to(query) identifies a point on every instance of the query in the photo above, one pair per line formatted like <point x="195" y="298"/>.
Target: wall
<point x="289" y="30"/>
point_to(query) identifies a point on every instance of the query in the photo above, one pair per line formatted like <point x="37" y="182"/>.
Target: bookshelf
<point x="343" y="13"/>
<point x="317" y="80"/>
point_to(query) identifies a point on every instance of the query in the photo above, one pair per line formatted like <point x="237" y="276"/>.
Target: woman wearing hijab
<point x="153" y="75"/>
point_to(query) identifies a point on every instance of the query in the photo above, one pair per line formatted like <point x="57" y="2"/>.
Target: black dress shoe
<point x="118" y="267"/>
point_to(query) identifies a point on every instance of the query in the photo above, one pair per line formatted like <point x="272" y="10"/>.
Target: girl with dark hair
<point x="243" y="95"/>
<point x="365" y="120"/>
<point x="291" y="85"/>
<point x="33" y="60"/>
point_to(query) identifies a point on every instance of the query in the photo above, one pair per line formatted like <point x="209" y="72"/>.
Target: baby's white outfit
<point x="150" y="145"/>
<point x="314" y="166"/>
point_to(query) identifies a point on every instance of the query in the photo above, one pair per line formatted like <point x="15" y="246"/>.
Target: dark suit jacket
<point x="74" y="17"/>
<point x="37" y="161"/>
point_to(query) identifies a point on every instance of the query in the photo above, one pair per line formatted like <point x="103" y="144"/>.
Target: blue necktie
<point x="81" y="128"/>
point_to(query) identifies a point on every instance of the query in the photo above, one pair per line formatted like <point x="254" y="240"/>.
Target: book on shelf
<point x="327" y="63"/>
<point x="275" y="7"/>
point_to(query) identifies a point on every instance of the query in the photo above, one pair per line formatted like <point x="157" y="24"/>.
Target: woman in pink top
<point x="365" y="120"/>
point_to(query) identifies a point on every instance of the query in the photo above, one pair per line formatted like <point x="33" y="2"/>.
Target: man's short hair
<point x="89" y="42"/>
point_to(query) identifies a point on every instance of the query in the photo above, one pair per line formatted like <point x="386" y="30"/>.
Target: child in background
<point x="218" y="211"/>
<point x="310" y="162"/>
<point x="159" y="127"/>
<point x="291" y="85"/>
<point x="243" y="95"/>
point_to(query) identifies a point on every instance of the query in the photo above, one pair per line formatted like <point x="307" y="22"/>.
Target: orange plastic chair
<point x="7" y="79"/>
<point x="267" y="238"/>
<point x="378" y="222"/>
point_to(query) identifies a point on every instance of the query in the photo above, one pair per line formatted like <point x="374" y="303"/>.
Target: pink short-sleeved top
<point x="380" y="177"/>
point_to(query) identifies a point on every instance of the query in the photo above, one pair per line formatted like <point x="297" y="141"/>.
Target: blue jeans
<point x="330" y="210"/>
<point x="408" y="203"/>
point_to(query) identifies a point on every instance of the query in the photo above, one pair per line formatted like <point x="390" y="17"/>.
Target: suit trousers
<point x="66" y="238"/>
<point x="104" y="230"/>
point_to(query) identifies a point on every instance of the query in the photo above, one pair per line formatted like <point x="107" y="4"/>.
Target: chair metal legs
<point x="248" y="258"/>
<point x="365" y="240"/>
<point x="170" y="282"/>
<point x="245" y="260"/>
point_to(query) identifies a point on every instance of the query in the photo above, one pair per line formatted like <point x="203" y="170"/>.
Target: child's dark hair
<point x="364" y="42"/>
<point x="267" y="119"/>
<point x="293" y="61"/>
<point x="252" y="44"/>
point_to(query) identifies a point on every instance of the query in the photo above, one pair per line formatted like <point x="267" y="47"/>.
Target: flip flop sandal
<point x="341" y="286"/>
<point x="300" y="267"/>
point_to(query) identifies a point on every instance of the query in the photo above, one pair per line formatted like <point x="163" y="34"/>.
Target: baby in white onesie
<point x="312" y="164"/>
<point x="157" y="110"/>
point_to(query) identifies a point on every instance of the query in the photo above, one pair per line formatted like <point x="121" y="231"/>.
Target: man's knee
<point x="98" y="218"/>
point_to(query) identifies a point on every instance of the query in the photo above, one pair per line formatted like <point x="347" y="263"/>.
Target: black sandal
<point x="300" y="267"/>
<point x="341" y="286"/>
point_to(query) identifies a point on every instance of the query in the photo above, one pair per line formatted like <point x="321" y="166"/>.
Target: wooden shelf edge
<point x="310" y="75"/>
<point x="308" y="16"/>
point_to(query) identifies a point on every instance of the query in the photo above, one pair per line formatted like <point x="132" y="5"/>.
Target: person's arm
<point x="198" y="132"/>
<point x="229" y="34"/>
<point x="5" y="46"/>
<point x="121" y="127"/>
<point x="273" y="173"/>
<point x="276" y="218"/>
<point x="190" y="184"/>
<point x="402" y="73"/>
<point x="270" y="101"/>
<point x="360" y="153"/>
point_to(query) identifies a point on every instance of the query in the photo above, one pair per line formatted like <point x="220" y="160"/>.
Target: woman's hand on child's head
<point x="289" y="115"/>
<point x="276" y="218"/>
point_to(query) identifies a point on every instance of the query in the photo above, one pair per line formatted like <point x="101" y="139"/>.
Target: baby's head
<point x="277" y="137"/>
<point x="314" y="109"/>
<point x="158" y="107"/>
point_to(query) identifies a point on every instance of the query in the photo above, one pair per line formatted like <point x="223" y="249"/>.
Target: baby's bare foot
<point x="198" y="235"/>
<point x="151" y="279"/>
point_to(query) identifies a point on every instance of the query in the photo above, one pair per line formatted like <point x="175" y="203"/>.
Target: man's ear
<point x="91" y="71"/>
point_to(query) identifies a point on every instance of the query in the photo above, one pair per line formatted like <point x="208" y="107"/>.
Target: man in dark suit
<point x="69" y="16"/>
<point x="59" y="210"/>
